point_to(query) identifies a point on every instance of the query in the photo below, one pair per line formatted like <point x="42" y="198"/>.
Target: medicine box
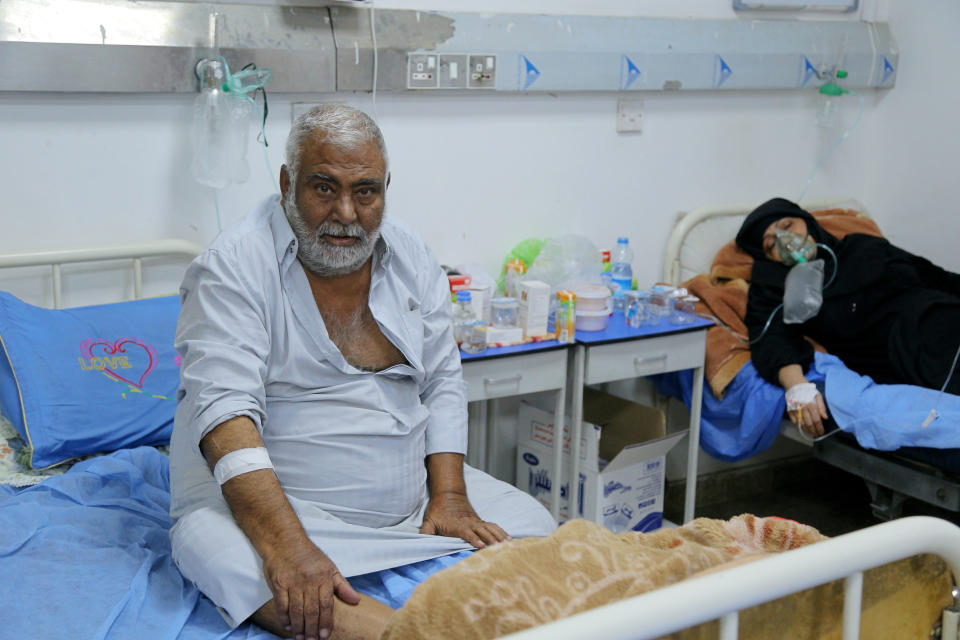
<point x="623" y="494"/>
<point x="534" y="307"/>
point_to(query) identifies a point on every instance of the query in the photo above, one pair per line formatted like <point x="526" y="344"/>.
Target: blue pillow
<point x="89" y="379"/>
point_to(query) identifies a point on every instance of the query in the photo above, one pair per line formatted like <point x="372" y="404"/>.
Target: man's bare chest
<point x="359" y="338"/>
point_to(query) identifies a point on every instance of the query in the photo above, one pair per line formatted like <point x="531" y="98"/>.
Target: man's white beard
<point x="325" y="259"/>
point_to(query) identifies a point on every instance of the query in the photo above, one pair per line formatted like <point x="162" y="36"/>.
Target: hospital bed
<point x="891" y="477"/>
<point x="88" y="550"/>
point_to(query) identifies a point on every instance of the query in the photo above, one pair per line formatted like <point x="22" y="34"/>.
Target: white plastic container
<point x="592" y="320"/>
<point x="505" y="313"/>
<point x="592" y="298"/>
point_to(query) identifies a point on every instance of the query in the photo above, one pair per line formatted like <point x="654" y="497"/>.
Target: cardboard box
<point x="623" y="494"/>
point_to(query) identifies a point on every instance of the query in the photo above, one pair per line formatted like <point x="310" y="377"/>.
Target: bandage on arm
<point x="256" y="499"/>
<point x="240" y="461"/>
<point x="800" y="395"/>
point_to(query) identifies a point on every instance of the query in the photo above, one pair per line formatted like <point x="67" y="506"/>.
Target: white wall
<point x="475" y="174"/>
<point x="912" y="150"/>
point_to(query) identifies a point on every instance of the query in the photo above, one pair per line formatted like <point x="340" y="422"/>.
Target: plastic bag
<point x="526" y="250"/>
<point x="803" y="292"/>
<point x="567" y="262"/>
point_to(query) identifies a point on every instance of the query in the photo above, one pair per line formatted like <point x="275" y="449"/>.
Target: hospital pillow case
<point x="88" y="379"/>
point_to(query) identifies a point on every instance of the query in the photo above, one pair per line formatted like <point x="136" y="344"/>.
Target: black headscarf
<point x="750" y="236"/>
<point x="750" y="239"/>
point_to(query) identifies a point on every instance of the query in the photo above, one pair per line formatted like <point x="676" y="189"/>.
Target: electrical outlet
<point x="422" y="71"/>
<point x="482" y="70"/>
<point x="629" y="116"/>
<point x="452" y="70"/>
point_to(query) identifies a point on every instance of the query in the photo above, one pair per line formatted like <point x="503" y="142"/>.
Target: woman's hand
<point x="806" y="408"/>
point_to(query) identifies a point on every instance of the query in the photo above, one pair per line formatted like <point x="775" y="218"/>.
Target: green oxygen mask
<point x="794" y="249"/>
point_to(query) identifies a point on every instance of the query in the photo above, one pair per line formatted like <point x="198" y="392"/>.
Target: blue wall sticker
<point x="528" y="73"/>
<point x="888" y="70"/>
<point x="629" y="72"/>
<point x="721" y="72"/>
<point x="807" y="72"/>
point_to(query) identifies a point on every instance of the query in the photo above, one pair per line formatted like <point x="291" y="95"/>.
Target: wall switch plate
<point x="422" y="71"/>
<point x="629" y="116"/>
<point x="452" y="70"/>
<point x="482" y="71"/>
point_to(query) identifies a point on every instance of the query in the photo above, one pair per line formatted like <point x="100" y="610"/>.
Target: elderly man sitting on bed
<point x="321" y="422"/>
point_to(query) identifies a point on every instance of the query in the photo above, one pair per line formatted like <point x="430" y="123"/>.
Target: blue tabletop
<point x="498" y="352"/>
<point x="618" y="330"/>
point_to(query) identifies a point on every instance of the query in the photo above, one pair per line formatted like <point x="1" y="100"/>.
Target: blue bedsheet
<point x="887" y="417"/>
<point x="87" y="555"/>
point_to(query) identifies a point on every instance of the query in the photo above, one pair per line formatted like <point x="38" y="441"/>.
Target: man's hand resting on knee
<point x="304" y="582"/>
<point x="450" y="514"/>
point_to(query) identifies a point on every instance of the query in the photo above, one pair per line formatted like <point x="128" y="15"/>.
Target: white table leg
<point x="558" y="419"/>
<point x="693" y="445"/>
<point x="478" y="435"/>
<point x="492" y="437"/>
<point x="576" y="427"/>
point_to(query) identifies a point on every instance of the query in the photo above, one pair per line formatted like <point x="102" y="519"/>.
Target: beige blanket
<point x="525" y="583"/>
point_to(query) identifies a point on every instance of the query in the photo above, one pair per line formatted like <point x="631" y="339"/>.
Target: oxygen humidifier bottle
<point x="221" y="122"/>
<point x="621" y="273"/>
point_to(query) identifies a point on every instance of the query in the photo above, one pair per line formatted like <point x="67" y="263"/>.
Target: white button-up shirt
<point x="253" y="343"/>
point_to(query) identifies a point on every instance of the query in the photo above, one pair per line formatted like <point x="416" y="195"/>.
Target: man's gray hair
<point x="340" y="125"/>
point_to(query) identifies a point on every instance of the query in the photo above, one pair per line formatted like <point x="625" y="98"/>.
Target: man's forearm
<point x="445" y="473"/>
<point x="256" y="499"/>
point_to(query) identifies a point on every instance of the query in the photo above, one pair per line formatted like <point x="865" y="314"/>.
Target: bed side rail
<point x="724" y="593"/>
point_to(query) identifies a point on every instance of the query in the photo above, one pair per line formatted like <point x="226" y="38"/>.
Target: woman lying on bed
<point x="886" y="313"/>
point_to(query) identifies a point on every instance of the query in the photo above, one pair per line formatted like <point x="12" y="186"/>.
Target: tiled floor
<point x="802" y="489"/>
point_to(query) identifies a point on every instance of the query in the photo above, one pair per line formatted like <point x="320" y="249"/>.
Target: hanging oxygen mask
<point x="803" y="288"/>
<point x="222" y="115"/>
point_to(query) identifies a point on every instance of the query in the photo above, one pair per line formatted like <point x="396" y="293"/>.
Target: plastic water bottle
<point x="468" y="330"/>
<point x="621" y="273"/>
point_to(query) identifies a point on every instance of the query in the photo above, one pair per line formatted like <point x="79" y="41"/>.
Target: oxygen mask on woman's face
<point x="794" y="249"/>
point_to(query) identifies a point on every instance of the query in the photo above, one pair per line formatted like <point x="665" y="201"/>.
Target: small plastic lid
<point x="592" y="314"/>
<point x="463" y="296"/>
<point x="592" y="292"/>
<point x="504" y="302"/>
<point x="623" y="240"/>
<point x="841" y="73"/>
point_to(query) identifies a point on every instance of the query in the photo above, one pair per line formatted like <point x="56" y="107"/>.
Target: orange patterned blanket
<point x="524" y="583"/>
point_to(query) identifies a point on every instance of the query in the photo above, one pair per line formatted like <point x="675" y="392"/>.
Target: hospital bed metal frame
<point x="55" y="258"/>
<point x="890" y="478"/>
<point x="716" y="595"/>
